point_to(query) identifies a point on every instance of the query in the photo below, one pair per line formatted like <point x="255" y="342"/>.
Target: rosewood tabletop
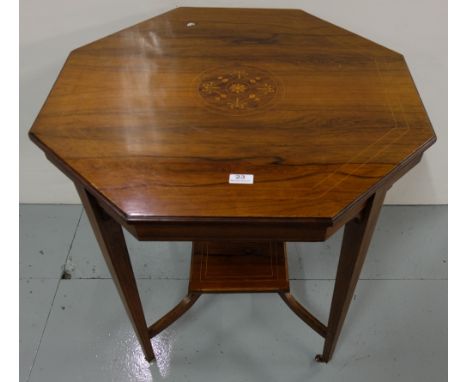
<point x="152" y="121"/>
<point x="154" y="118"/>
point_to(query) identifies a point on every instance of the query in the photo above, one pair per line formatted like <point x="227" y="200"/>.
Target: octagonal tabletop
<point x="156" y="117"/>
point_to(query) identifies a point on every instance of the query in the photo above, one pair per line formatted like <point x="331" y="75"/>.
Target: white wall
<point x="50" y="29"/>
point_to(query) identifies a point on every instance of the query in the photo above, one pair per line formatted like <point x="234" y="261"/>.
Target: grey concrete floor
<point x="77" y="330"/>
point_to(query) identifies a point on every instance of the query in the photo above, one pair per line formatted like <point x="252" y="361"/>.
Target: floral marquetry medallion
<point x="238" y="90"/>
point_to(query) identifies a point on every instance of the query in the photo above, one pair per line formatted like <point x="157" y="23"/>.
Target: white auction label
<point x="241" y="178"/>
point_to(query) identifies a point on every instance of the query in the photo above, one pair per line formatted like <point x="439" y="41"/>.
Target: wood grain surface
<point x="238" y="267"/>
<point x="154" y="118"/>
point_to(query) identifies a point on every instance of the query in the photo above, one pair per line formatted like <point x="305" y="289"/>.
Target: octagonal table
<point x="238" y="130"/>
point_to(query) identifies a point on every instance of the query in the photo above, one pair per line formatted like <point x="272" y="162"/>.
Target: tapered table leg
<point x="357" y="235"/>
<point x="112" y="243"/>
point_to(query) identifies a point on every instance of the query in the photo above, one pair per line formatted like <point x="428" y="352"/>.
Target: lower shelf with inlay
<point x="238" y="267"/>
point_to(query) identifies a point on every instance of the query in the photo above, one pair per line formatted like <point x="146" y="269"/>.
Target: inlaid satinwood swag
<point x="150" y="122"/>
